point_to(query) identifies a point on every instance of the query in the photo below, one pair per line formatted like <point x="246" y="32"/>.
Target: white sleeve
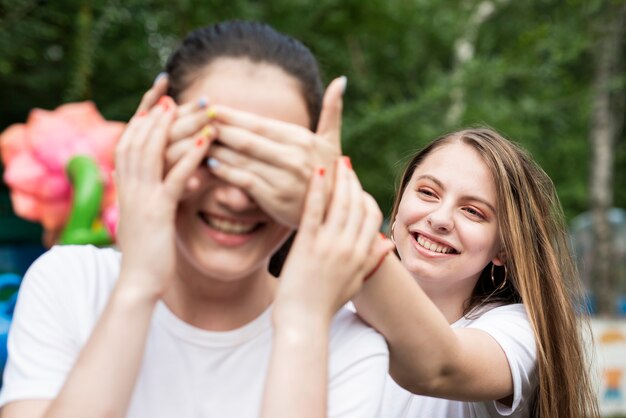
<point x="42" y="345"/>
<point x="359" y="364"/>
<point x="510" y="327"/>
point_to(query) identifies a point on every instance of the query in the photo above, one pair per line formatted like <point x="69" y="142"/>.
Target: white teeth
<point x="432" y="246"/>
<point x="230" y="227"/>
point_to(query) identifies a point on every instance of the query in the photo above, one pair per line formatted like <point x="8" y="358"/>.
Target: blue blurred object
<point x="17" y="258"/>
<point x="14" y="261"/>
<point x="9" y="285"/>
<point x="621" y="306"/>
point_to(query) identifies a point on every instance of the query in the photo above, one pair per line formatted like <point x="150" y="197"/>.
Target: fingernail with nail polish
<point x="211" y="113"/>
<point x="347" y="162"/>
<point x="199" y="142"/>
<point x="159" y="76"/>
<point x="321" y="171"/>
<point x="164" y="102"/>
<point x="202" y="102"/>
<point x="207" y="131"/>
<point x="212" y="163"/>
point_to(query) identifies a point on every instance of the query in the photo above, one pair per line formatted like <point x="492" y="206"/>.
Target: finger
<point x="251" y="144"/>
<point x="357" y="209"/>
<point x="314" y="205"/>
<point x="239" y="177"/>
<point x="369" y="232"/>
<point x="175" y="150"/>
<point x="338" y="210"/>
<point x="381" y="249"/>
<point x="188" y="108"/>
<point x="155" y="147"/>
<point x="189" y="124"/>
<point x="176" y="179"/>
<point x="130" y="152"/>
<point x="329" y="126"/>
<point x="152" y="96"/>
<point x="231" y="158"/>
<point x="273" y="129"/>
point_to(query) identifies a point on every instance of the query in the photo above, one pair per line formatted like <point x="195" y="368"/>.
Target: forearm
<point x="297" y="379"/>
<point x="413" y="326"/>
<point x="105" y="372"/>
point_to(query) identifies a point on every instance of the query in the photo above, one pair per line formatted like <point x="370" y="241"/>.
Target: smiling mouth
<point x="229" y="226"/>
<point x="432" y="245"/>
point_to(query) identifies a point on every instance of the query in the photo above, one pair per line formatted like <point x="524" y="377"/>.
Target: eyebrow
<point x="469" y="197"/>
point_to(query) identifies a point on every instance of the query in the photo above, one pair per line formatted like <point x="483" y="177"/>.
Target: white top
<point x="509" y="326"/>
<point x="186" y="371"/>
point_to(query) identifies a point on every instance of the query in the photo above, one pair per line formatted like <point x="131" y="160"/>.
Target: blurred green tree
<point x="416" y="69"/>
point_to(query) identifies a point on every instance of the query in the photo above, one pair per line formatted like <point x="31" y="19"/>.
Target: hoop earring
<point x="393" y="226"/>
<point x="493" y="280"/>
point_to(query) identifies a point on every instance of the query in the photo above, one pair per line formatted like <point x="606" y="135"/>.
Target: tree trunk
<point x="464" y="48"/>
<point x="606" y="121"/>
<point x="80" y="83"/>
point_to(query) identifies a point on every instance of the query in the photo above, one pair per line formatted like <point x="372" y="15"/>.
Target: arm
<point x="428" y="357"/>
<point x="102" y="379"/>
<point x="326" y="266"/>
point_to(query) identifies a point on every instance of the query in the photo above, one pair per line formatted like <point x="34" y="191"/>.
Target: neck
<point x="450" y="299"/>
<point x="219" y="305"/>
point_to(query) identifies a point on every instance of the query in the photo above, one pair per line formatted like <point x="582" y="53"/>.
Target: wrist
<point x="299" y="322"/>
<point x="131" y="289"/>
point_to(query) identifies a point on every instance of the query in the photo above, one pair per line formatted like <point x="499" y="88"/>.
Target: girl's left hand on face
<point x="333" y="251"/>
<point x="273" y="160"/>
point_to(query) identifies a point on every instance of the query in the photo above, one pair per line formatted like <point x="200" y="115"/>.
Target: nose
<point x="441" y="219"/>
<point x="234" y="198"/>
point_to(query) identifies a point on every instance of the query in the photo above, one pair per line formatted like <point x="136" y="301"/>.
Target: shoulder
<point x="67" y="259"/>
<point x="510" y="326"/>
<point x="495" y="317"/>
<point x="352" y="341"/>
<point x="358" y="366"/>
<point x="71" y="273"/>
<point x="348" y="328"/>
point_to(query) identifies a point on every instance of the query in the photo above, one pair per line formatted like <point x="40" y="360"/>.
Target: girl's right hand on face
<point x="333" y="251"/>
<point x="148" y="197"/>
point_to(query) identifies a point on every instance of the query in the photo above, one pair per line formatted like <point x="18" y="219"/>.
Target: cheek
<point x="484" y="239"/>
<point x="410" y="210"/>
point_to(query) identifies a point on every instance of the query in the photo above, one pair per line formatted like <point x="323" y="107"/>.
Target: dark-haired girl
<point x="185" y="319"/>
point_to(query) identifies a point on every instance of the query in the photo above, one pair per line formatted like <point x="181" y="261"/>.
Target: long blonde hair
<point x="540" y="271"/>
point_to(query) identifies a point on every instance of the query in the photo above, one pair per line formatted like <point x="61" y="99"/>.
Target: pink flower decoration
<point x="36" y="153"/>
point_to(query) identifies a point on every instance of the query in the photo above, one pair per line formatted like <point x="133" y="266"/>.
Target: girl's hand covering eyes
<point x="333" y="251"/>
<point x="148" y="197"/>
<point x="273" y="160"/>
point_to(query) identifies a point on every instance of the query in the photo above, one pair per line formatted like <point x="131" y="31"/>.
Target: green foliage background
<point x="530" y="77"/>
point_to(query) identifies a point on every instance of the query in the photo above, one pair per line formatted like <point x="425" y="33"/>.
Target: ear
<point x="499" y="259"/>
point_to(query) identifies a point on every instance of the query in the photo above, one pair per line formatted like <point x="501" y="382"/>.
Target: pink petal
<point x="12" y="142"/>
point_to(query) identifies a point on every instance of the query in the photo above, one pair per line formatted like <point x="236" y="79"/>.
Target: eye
<point x="474" y="212"/>
<point x="426" y="192"/>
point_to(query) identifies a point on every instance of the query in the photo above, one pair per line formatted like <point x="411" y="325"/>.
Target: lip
<point x="230" y="239"/>
<point x="429" y="253"/>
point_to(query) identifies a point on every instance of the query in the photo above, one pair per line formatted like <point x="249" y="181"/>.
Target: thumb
<point x="329" y="126"/>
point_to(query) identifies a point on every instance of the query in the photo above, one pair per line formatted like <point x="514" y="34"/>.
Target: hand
<point x="332" y="252"/>
<point x="191" y="123"/>
<point x="148" y="198"/>
<point x="273" y="160"/>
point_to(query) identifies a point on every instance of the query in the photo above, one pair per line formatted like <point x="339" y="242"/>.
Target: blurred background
<point x="548" y="74"/>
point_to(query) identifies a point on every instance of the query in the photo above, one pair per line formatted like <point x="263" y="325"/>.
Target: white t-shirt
<point x="186" y="371"/>
<point x="509" y="326"/>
